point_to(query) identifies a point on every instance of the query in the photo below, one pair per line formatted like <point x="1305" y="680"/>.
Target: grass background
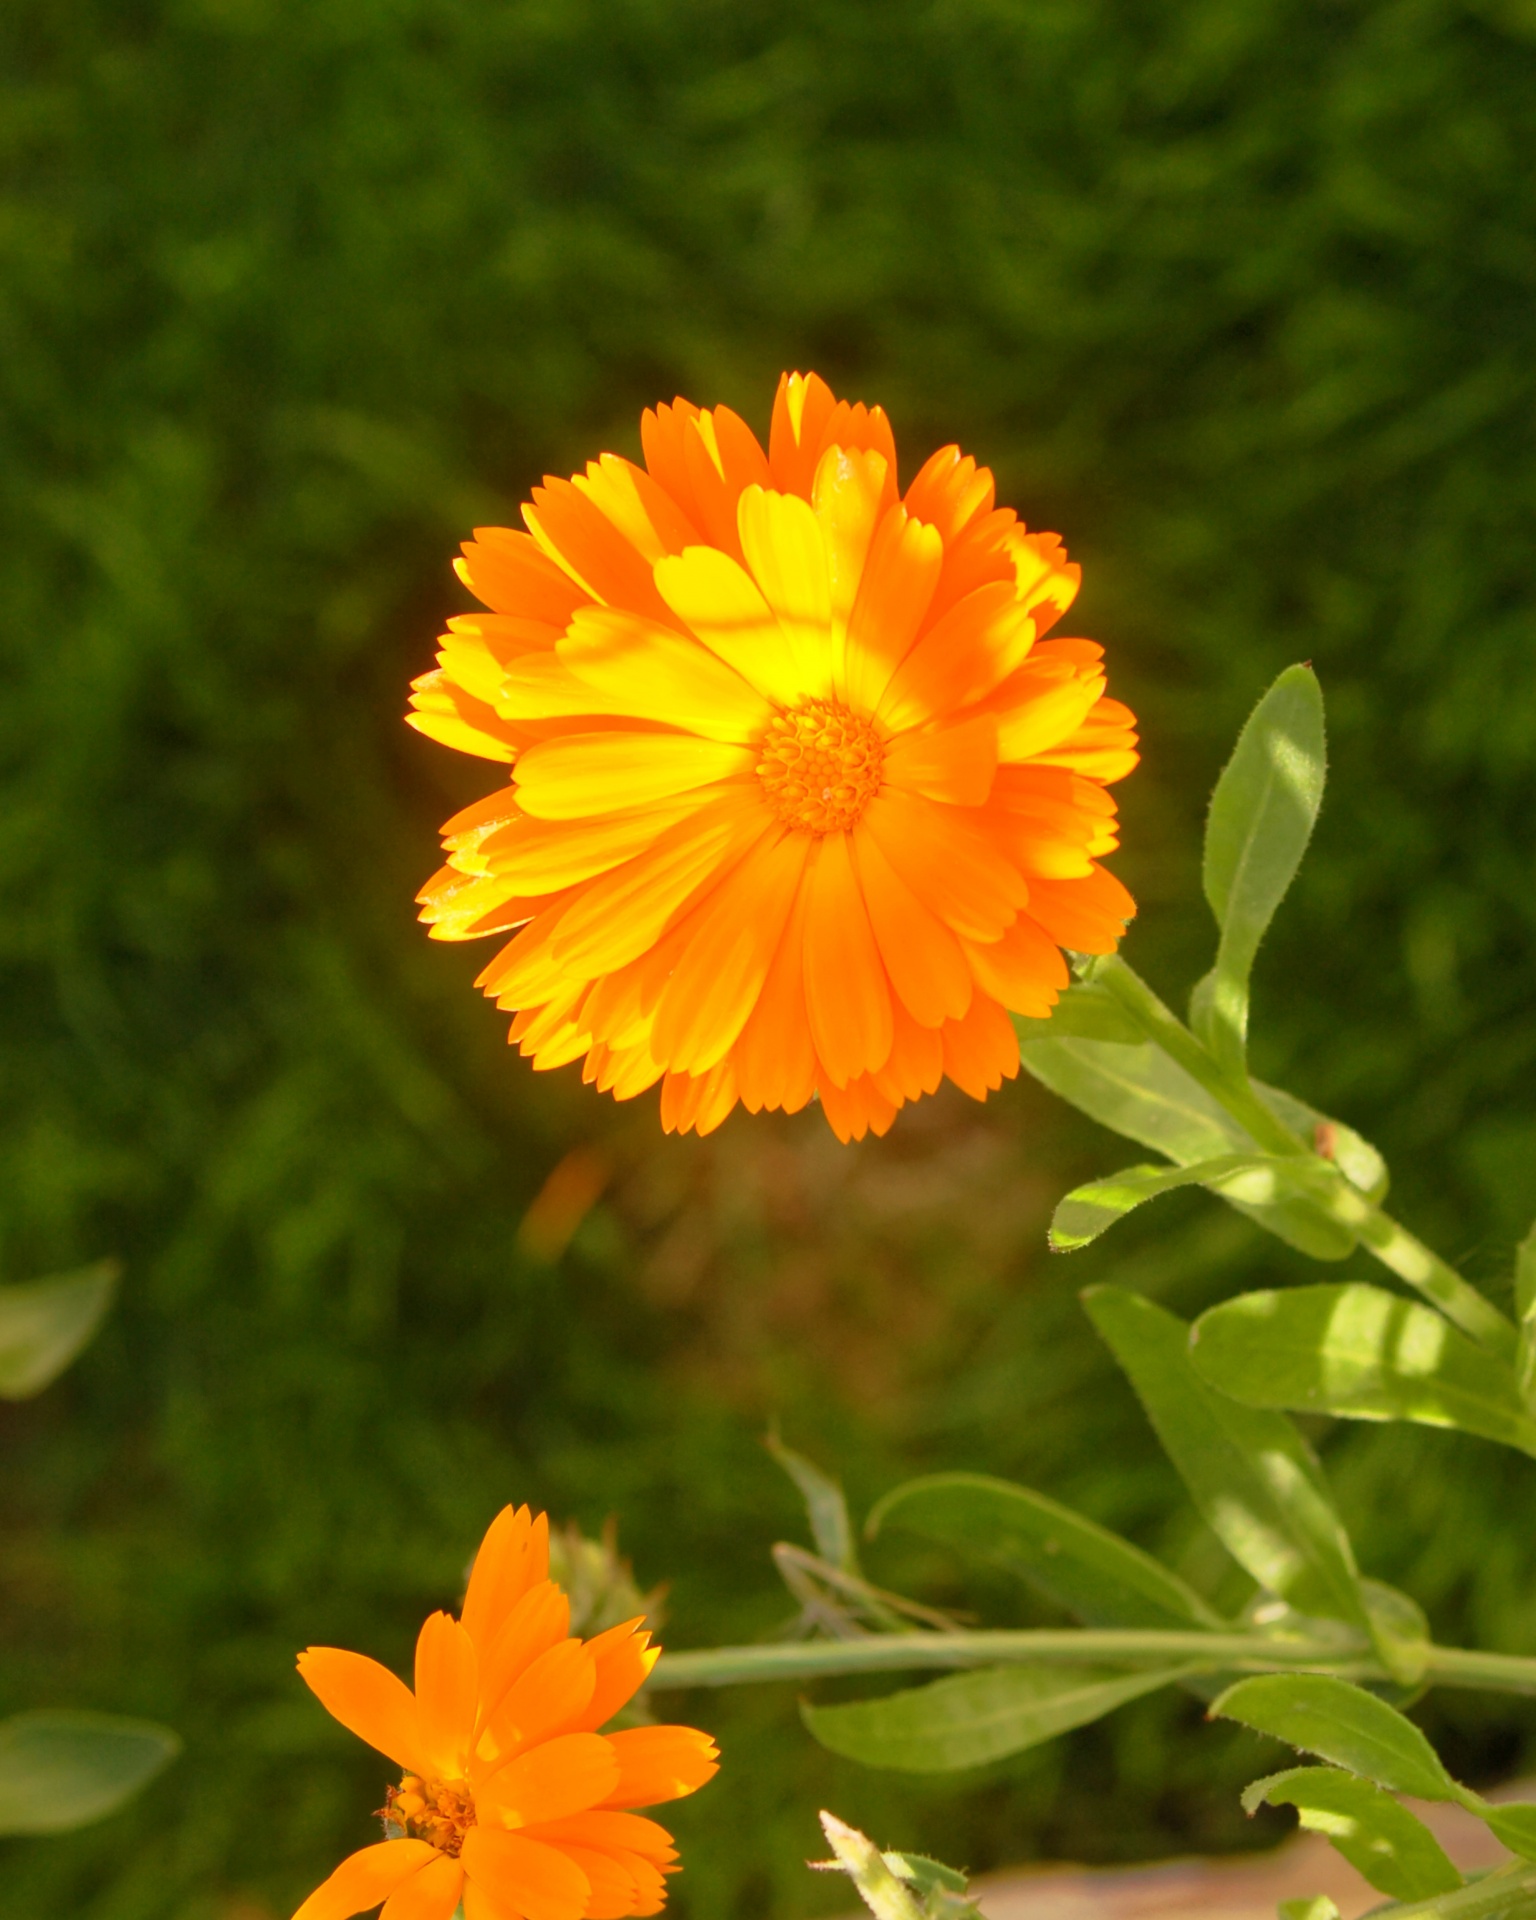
<point x="1237" y="294"/>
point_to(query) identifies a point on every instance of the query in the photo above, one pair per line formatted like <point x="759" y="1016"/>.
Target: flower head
<point x="802" y="802"/>
<point x="510" y="1800"/>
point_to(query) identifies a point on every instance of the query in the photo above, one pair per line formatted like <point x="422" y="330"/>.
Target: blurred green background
<point x="1237" y="294"/>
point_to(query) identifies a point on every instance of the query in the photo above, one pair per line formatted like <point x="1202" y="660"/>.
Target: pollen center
<point x="820" y="766"/>
<point x="440" y="1812"/>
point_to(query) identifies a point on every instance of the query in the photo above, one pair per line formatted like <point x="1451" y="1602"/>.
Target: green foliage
<point x="290" y="295"/>
<point x="1262" y="814"/>
<point x="1342" y="1724"/>
<point x="1391" y="1847"/>
<point x="44" y="1324"/>
<point x="1361" y="1352"/>
<point x="971" y="1719"/>
<point x="896" y="1886"/>
<point x="1254" y="1479"/>
<point x="1100" y="1578"/>
<point x="60" y="1771"/>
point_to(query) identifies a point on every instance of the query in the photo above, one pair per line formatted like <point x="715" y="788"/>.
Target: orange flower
<point x="511" y="1800"/>
<point x="801" y="804"/>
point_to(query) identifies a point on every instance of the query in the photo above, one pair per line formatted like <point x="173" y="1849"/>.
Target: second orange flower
<point x="802" y="802"/>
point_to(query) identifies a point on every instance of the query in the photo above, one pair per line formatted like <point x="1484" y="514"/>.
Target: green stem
<point x="1509" y="1893"/>
<point x="1391" y="1243"/>
<point x="1346" y="1655"/>
<point x="1131" y="1647"/>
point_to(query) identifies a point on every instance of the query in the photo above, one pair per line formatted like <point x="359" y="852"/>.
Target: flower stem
<point x="1391" y="1243"/>
<point x="1347" y="1655"/>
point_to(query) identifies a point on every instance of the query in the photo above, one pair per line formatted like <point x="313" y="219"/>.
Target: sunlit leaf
<point x="1085" y="1012"/>
<point x="1342" y="1724"/>
<point x="1090" y="1210"/>
<point x="1262" y="814"/>
<point x="45" y="1323"/>
<point x="1361" y="1352"/>
<point x="64" y="1770"/>
<point x="971" y="1718"/>
<point x="1253" y="1477"/>
<point x="1376" y="1834"/>
<point x="1095" y="1574"/>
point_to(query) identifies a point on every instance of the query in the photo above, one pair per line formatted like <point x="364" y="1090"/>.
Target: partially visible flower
<point x="802" y="803"/>
<point x="511" y="1800"/>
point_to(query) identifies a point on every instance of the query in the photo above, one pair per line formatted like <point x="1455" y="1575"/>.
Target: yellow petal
<point x="787" y="556"/>
<point x="633" y="666"/>
<point x="716" y="600"/>
<point x="580" y="774"/>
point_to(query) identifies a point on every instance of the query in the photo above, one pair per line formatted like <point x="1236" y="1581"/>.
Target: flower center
<point x="440" y="1812"/>
<point x="820" y="766"/>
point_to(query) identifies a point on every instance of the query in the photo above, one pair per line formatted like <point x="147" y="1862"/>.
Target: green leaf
<point x="928" y="1876"/>
<point x="880" y="1887"/>
<point x="1378" y="1836"/>
<point x="1400" y="1632"/>
<point x="1101" y="1578"/>
<point x="1514" y="1826"/>
<point x="64" y="1770"/>
<point x="45" y="1323"/>
<point x="1141" y="1093"/>
<point x="1087" y="1211"/>
<point x="1262" y="814"/>
<point x="825" y="1506"/>
<point x="1084" y="1012"/>
<point x="1317" y="1907"/>
<point x="1343" y="1724"/>
<point x="1354" y="1156"/>
<point x="1361" y="1352"/>
<point x="1253" y="1477"/>
<point x="1525" y="1276"/>
<point x="971" y="1718"/>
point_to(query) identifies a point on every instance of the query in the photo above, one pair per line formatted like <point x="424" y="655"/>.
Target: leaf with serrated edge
<point x="1253" y="1477"/>
<point x="972" y="1718"/>
<point x="1340" y="1723"/>
<point x="1376" y="1834"/>
<point x="1262" y="814"/>
<point x="1360" y="1352"/>
<point x="1102" y="1579"/>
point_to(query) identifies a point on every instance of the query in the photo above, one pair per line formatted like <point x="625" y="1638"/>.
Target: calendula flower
<point x="511" y="1800"/>
<point x="802" y="803"/>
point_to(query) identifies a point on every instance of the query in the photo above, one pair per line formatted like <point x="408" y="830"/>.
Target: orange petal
<point x="856" y="1109"/>
<point x="365" y="1878"/>
<point x="532" y="1879"/>
<point x="645" y="513"/>
<point x="801" y="410"/>
<point x="549" y="1694"/>
<point x="623" y="1658"/>
<point x="846" y="496"/>
<point x="698" y="1103"/>
<point x="626" y="1832"/>
<point x="369" y="1701"/>
<point x="513" y="1560"/>
<point x="580" y="774"/>
<point x="921" y="955"/>
<point x="731" y="939"/>
<point x="774" y="1060"/>
<point x="982" y="1050"/>
<point x="587" y="546"/>
<point x="977" y="644"/>
<point x="1024" y="969"/>
<point x="562" y="1776"/>
<point x="953" y="763"/>
<point x="538" y="1621"/>
<point x="1039" y="708"/>
<point x="660" y="1763"/>
<point x="1088" y="915"/>
<point x="613" y="1887"/>
<point x="447" y="1690"/>
<point x="616" y="918"/>
<point x="534" y="857"/>
<point x="951" y="491"/>
<point x="948" y="859"/>
<point x="847" y="995"/>
<point x="899" y="577"/>
<point x="916" y="1065"/>
<point x="431" y="1894"/>
<point x="506" y="569"/>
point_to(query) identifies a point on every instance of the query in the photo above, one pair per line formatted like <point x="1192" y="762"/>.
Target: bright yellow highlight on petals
<point x="511" y="1800"/>
<point x="802" y="802"/>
